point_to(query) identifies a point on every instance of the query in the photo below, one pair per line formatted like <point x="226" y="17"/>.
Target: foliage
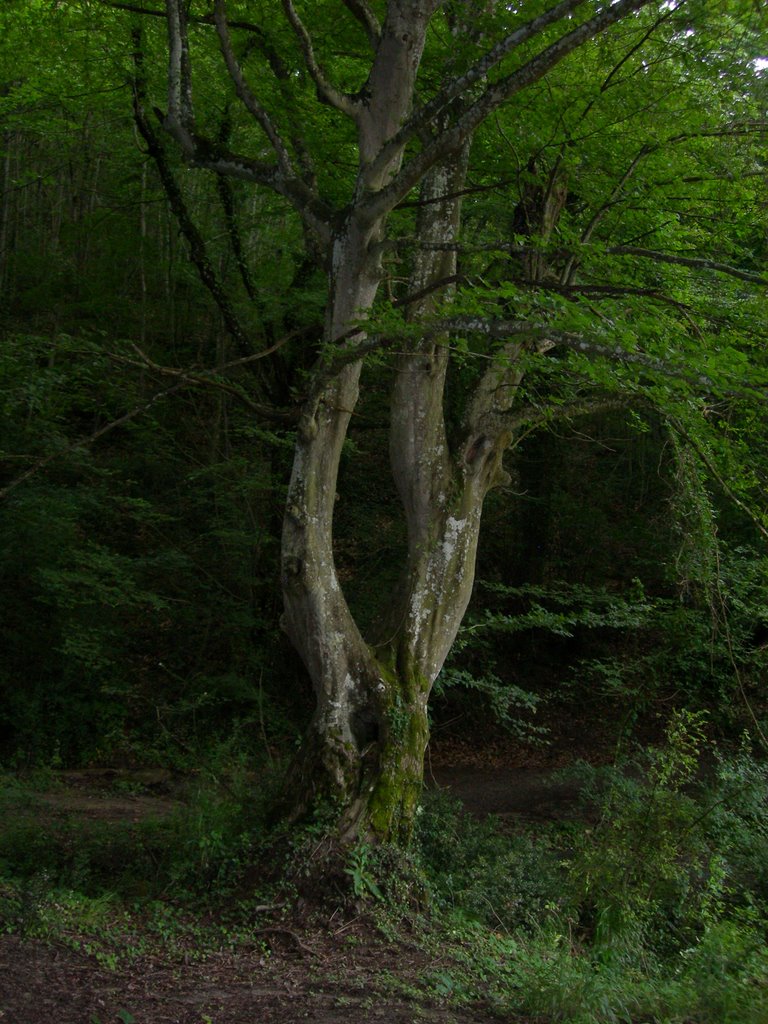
<point x="115" y="559"/>
<point x="651" y="911"/>
<point x="361" y="874"/>
<point x="633" y="647"/>
<point x="479" y="874"/>
<point x="143" y="490"/>
<point x="649" y="908"/>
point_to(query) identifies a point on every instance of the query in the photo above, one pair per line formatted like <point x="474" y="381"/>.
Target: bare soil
<point x="110" y="794"/>
<point x="328" y="972"/>
<point x="325" y="975"/>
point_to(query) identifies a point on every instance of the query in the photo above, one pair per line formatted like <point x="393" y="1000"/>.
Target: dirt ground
<point x="328" y="972"/>
<point x="325" y="975"/>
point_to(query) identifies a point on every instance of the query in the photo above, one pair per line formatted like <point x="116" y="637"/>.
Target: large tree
<point x="374" y="122"/>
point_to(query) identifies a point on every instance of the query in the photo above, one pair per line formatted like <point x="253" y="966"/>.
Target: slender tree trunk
<point x="346" y="676"/>
<point x="370" y="730"/>
<point x="351" y="735"/>
<point x="5" y="211"/>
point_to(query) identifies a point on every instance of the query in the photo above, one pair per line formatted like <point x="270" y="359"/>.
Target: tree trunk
<point x="369" y="734"/>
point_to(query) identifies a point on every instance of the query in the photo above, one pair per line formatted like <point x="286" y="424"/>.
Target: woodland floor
<point x="306" y="968"/>
<point x="323" y="975"/>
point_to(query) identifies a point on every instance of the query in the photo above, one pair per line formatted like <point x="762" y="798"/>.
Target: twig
<point x="287" y="931"/>
<point x="85" y="441"/>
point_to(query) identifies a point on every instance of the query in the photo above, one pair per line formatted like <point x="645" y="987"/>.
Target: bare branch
<point x="201" y="152"/>
<point x="244" y="93"/>
<point x="84" y="442"/>
<point x="197" y="248"/>
<point x="180" y="119"/>
<point x="212" y="378"/>
<point x="367" y="19"/>
<point x="688" y="261"/>
<point x="327" y="92"/>
<point x="207" y="378"/>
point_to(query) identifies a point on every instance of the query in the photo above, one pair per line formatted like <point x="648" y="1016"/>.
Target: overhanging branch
<point x="475" y="112"/>
<point x="688" y="261"/>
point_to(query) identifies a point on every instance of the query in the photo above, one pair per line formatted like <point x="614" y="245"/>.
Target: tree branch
<point x="680" y="429"/>
<point x="201" y="152"/>
<point x="195" y="19"/>
<point x="367" y="19"/>
<point x="183" y="379"/>
<point x="586" y="235"/>
<point x="611" y="291"/>
<point x="224" y="189"/>
<point x="197" y="247"/>
<point x="422" y="117"/>
<point x="325" y="90"/>
<point x="514" y="249"/>
<point x="247" y="98"/>
<point x="536" y="417"/>
<point x="493" y="97"/>
<point x="208" y="378"/>
<point x="180" y="118"/>
<point x="687" y="261"/>
<point x="85" y="441"/>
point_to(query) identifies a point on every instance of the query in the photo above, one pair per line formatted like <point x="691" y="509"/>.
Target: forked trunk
<point x="367" y="740"/>
<point x="368" y="735"/>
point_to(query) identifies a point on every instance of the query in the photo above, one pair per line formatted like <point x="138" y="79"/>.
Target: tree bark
<point x="349" y="754"/>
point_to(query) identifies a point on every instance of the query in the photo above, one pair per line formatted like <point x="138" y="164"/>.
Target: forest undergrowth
<point x="645" y="904"/>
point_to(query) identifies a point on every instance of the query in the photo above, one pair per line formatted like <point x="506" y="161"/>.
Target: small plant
<point x="643" y="870"/>
<point x="359" y="870"/>
<point x="480" y="875"/>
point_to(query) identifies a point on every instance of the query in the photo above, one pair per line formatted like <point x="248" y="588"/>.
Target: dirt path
<point x="493" y="787"/>
<point x="526" y="793"/>
<point x="341" y="977"/>
<point x="335" y="973"/>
